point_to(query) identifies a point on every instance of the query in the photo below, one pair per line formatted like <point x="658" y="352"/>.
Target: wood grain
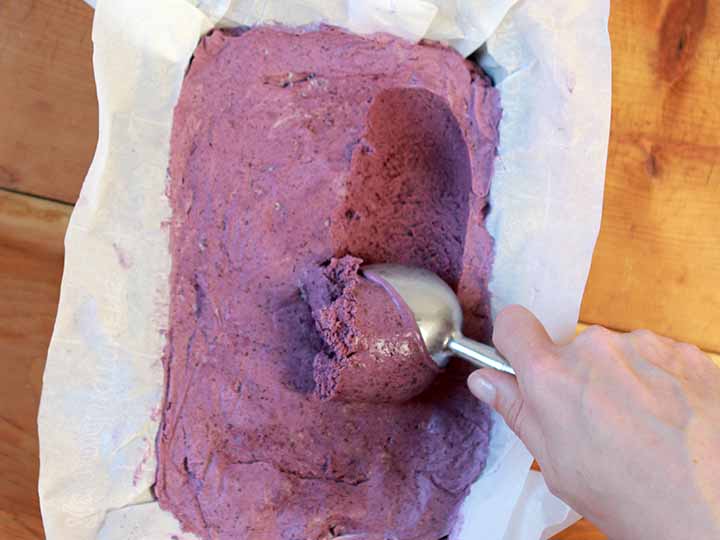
<point x="47" y="96"/>
<point x="31" y="252"/>
<point x="657" y="257"/>
<point x="657" y="262"/>
<point x="31" y="258"/>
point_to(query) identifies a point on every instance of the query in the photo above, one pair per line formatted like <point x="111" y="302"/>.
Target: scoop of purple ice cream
<point x="373" y="350"/>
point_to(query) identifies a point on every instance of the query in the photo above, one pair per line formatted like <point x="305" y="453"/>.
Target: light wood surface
<point x="657" y="263"/>
<point x="657" y="257"/>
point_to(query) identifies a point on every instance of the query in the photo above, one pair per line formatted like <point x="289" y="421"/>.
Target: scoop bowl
<point x="437" y="313"/>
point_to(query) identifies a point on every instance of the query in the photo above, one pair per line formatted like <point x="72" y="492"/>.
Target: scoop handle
<point x="479" y="354"/>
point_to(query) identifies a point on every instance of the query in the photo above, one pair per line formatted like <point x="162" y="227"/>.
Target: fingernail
<point x="481" y="388"/>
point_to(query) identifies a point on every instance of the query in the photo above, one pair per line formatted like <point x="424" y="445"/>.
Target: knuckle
<point x="644" y="335"/>
<point x="688" y="348"/>
<point x="596" y="334"/>
<point x="649" y="340"/>
<point x="595" y="342"/>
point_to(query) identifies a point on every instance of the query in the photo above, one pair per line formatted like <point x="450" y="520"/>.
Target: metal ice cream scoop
<point x="437" y="313"/>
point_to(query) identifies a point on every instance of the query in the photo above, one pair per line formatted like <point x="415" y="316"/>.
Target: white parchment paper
<point x="103" y="382"/>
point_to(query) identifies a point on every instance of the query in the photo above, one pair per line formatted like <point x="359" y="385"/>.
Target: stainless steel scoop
<point x="438" y="315"/>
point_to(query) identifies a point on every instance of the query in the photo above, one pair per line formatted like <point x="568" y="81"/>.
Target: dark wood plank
<point x="48" y="106"/>
<point x="31" y="258"/>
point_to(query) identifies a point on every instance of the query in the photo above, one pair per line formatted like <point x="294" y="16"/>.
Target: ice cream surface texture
<point x="292" y="147"/>
<point x="373" y="348"/>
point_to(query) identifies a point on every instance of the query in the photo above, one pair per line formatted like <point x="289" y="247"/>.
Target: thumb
<point x="522" y="339"/>
<point x="501" y="391"/>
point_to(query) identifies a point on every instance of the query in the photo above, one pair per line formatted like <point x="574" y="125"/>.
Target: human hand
<point x="625" y="427"/>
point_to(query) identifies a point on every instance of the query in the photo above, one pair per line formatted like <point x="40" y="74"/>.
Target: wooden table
<point x="657" y="263"/>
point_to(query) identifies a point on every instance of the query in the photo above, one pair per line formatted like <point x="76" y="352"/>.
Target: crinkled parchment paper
<point x="104" y="379"/>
